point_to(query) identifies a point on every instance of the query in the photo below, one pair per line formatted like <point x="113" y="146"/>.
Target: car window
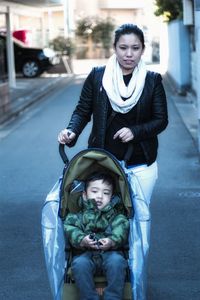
<point x="16" y="41"/>
<point x="2" y="43"/>
<point x="2" y="61"/>
<point x="19" y="43"/>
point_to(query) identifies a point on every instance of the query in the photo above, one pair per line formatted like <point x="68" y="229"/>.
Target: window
<point x="2" y="61"/>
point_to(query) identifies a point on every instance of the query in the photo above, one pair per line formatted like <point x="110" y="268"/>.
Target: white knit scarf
<point x="115" y="87"/>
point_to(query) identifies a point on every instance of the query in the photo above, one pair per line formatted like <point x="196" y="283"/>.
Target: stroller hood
<point x="78" y="169"/>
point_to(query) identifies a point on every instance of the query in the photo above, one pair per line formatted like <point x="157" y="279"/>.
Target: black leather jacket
<point x="152" y="117"/>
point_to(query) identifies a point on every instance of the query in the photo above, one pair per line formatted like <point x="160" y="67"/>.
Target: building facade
<point x="184" y="54"/>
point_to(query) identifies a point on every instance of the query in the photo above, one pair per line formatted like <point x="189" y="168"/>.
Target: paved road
<point x="30" y="165"/>
<point x="174" y="269"/>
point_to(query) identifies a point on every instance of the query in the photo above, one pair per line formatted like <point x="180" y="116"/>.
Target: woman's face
<point x="128" y="51"/>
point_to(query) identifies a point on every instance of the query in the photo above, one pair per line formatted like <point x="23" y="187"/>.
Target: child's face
<point x="100" y="191"/>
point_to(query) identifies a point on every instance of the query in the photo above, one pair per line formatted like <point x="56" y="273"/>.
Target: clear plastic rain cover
<point x="54" y="243"/>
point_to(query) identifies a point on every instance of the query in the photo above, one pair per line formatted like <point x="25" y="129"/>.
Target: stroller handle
<point x="63" y="154"/>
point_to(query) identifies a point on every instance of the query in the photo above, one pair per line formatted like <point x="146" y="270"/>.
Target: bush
<point x="63" y="45"/>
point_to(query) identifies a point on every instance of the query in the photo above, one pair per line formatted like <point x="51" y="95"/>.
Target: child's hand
<point x="87" y="242"/>
<point x="106" y="244"/>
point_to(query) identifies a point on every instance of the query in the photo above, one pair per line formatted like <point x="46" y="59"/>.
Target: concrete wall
<point x="194" y="82"/>
<point x="179" y="67"/>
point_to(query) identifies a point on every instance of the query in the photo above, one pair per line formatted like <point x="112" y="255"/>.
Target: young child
<point x="97" y="235"/>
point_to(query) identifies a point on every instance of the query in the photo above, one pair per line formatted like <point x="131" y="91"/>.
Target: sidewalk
<point x="30" y="91"/>
<point x="186" y="106"/>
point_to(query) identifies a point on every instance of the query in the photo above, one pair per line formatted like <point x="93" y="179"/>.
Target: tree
<point x="84" y="28"/>
<point x="98" y="30"/>
<point x="102" y="33"/>
<point x="169" y="9"/>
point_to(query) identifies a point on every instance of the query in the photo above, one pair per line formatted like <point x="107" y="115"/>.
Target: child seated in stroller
<point x="97" y="234"/>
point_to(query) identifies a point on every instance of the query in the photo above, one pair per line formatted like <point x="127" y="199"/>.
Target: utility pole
<point x="68" y="6"/>
<point x="10" y="51"/>
<point x="197" y="35"/>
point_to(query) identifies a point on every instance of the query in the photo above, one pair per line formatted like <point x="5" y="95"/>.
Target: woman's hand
<point x="66" y="136"/>
<point x="124" y="134"/>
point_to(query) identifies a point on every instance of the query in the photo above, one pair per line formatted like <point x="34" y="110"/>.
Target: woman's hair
<point x="106" y="177"/>
<point x="128" y="29"/>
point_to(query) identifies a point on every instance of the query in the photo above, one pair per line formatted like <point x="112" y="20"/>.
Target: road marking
<point x="189" y="194"/>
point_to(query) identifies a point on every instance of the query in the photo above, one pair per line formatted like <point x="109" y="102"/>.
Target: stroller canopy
<point x="78" y="169"/>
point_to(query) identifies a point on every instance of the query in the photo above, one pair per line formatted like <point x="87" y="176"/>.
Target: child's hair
<point x="106" y="177"/>
<point x="128" y="29"/>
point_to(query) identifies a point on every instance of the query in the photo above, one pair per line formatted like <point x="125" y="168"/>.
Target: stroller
<point x="63" y="199"/>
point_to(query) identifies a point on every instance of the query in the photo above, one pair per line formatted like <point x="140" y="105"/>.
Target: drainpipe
<point x="10" y="51"/>
<point x="197" y="35"/>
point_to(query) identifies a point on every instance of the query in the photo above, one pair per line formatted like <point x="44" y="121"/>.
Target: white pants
<point x="142" y="180"/>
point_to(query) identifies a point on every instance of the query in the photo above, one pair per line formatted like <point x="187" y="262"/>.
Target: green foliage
<point x="63" y="45"/>
<point x="84" y="28"/>
<point x="99" y="30"/>
<point x="169" y="9"/>
<point x="102" y="33"/>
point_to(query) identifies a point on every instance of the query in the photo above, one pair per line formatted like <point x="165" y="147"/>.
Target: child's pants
<point x="113" y="265"/>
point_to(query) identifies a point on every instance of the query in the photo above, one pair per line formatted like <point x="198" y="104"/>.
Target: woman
<point x="129" y="109"/>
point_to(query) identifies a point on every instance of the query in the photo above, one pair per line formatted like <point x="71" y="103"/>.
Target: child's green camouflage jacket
<point x="107" y="222"/>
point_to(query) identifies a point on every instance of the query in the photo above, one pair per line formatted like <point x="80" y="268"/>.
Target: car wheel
<point x="31" y="68"/>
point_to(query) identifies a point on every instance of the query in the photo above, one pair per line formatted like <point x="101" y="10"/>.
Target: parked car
<point x="31" y="62"/>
